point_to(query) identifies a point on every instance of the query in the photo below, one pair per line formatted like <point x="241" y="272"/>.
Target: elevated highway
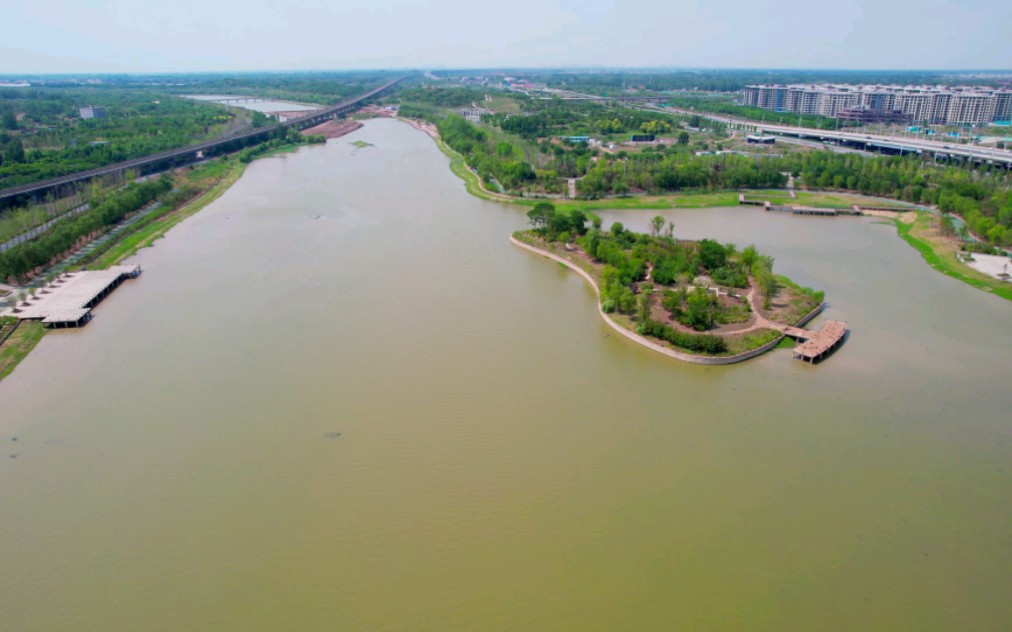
<point x="888" y="144"/>
<point x="190" y="153"/>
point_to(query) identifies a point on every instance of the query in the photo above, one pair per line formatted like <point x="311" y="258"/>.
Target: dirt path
<point x="761" y="322"/>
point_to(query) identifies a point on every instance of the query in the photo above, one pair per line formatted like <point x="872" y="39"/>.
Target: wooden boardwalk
<point x="817" y="343"/>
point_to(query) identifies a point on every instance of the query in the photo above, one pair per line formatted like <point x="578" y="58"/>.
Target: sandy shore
<point x="422" y="126"/>
<point x="332" y="129"/>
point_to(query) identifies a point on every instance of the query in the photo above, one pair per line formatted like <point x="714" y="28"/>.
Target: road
<point x="941" y="149"/>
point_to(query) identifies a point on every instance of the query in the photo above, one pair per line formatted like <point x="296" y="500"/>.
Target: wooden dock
<point x="67" y="302"/>
<point x="817" y="343"/>
<point x="797" y="209"/>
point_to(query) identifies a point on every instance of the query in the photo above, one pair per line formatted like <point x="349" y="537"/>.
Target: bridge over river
<point x="190" y="153"/>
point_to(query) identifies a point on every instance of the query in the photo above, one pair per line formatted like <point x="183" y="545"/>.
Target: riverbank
<point x="148" y="234"/>
<point x="938" y="254"/>
<point x="18" y="345"/>
<point x="922" y="232"/>
<point x="28" y="334"/>
<point x="332" y="129"/>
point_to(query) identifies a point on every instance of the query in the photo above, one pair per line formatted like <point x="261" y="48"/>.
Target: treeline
<point x="980" y="196"/>
<point x="454" y="97"/>
<point x="615" y="83"/>
<point x="558" y="118"/>
<point x="24" y="258"/>
<point x="493" y="160"/>
<point x="421" y="112"/>
<point x="673" y="170"/>
<point x="323" y="87"/>
<point x="43" y="135"/>
<point x="513" y="158"/>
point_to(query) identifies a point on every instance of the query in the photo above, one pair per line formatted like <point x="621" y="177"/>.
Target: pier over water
<point x="67" y="301"/>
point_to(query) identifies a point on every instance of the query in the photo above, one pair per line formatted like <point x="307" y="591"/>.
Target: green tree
<point x="14" y="152"/>
<point x="540" y="216"/>
<point x="749" y="256"/>
<point x="645" y="303"/>
<point x="683" y="138"/>
<point x="656" y="225"/>
<point x="700" y="309"/>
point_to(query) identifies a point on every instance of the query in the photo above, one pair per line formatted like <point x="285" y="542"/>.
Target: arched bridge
<point x="190" y="153"/>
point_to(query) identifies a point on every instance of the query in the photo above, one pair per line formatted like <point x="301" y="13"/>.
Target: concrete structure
<point x="940" y="150"/>
<point x="817" y="344"/>
<point x="67" y="302"/>
<point x="961" y="105"/>
<point x="866" y="114"/>
<point x="93" y="112"/>
<point x="760" y="140"/>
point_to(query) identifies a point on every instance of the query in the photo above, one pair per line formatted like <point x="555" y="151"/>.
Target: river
<point x="504" y="461"/>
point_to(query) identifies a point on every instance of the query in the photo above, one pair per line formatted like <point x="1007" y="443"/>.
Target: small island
<point x="698" y="301"/>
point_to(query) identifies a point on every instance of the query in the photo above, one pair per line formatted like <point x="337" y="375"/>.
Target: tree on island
<point x="551" y="224"/>
<point x="539" y="216"/>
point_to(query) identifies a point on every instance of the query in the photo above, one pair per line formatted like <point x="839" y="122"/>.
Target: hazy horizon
<point x="117" y="36"/>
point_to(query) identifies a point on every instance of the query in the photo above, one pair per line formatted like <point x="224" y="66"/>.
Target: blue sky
<point x="199" y="35"/>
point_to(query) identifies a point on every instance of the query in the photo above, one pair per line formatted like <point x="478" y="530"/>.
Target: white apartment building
<point x="964" y="105"/>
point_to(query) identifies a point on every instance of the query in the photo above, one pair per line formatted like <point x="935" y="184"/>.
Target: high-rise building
<point x="964" y="105"/>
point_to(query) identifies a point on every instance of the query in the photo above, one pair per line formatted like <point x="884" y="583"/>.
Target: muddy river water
<point x="339" y="399"/>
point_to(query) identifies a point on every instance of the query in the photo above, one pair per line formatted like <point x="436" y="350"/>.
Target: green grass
<point x="361" y="144"/>
<point x="844" y="200"/>
<point x="677" y="200"/>
<point x="786" y="343"/>
<point x="149" y="233"/>
<point x="19" y="345"/>
<point x="948" y="264"/>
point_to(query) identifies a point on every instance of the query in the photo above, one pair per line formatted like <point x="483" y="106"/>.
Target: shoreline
<point x="332" y="129"/>
<point x="23" y="340"/>
<point x="930" y="252"/>
<point x="649" y="344"/>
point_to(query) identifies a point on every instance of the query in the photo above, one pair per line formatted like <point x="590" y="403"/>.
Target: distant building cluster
<point x="93" y="112"/>
<point x="939" y="105"/>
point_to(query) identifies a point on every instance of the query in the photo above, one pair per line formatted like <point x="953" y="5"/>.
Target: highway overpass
<point x="888" y="144"/>
<point x="188" y="154"/>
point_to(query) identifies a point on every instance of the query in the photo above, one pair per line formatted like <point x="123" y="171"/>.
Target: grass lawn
<point x="20" y="344"/>
<point x="843" y="200"/>
<point x="941" y="255"/>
